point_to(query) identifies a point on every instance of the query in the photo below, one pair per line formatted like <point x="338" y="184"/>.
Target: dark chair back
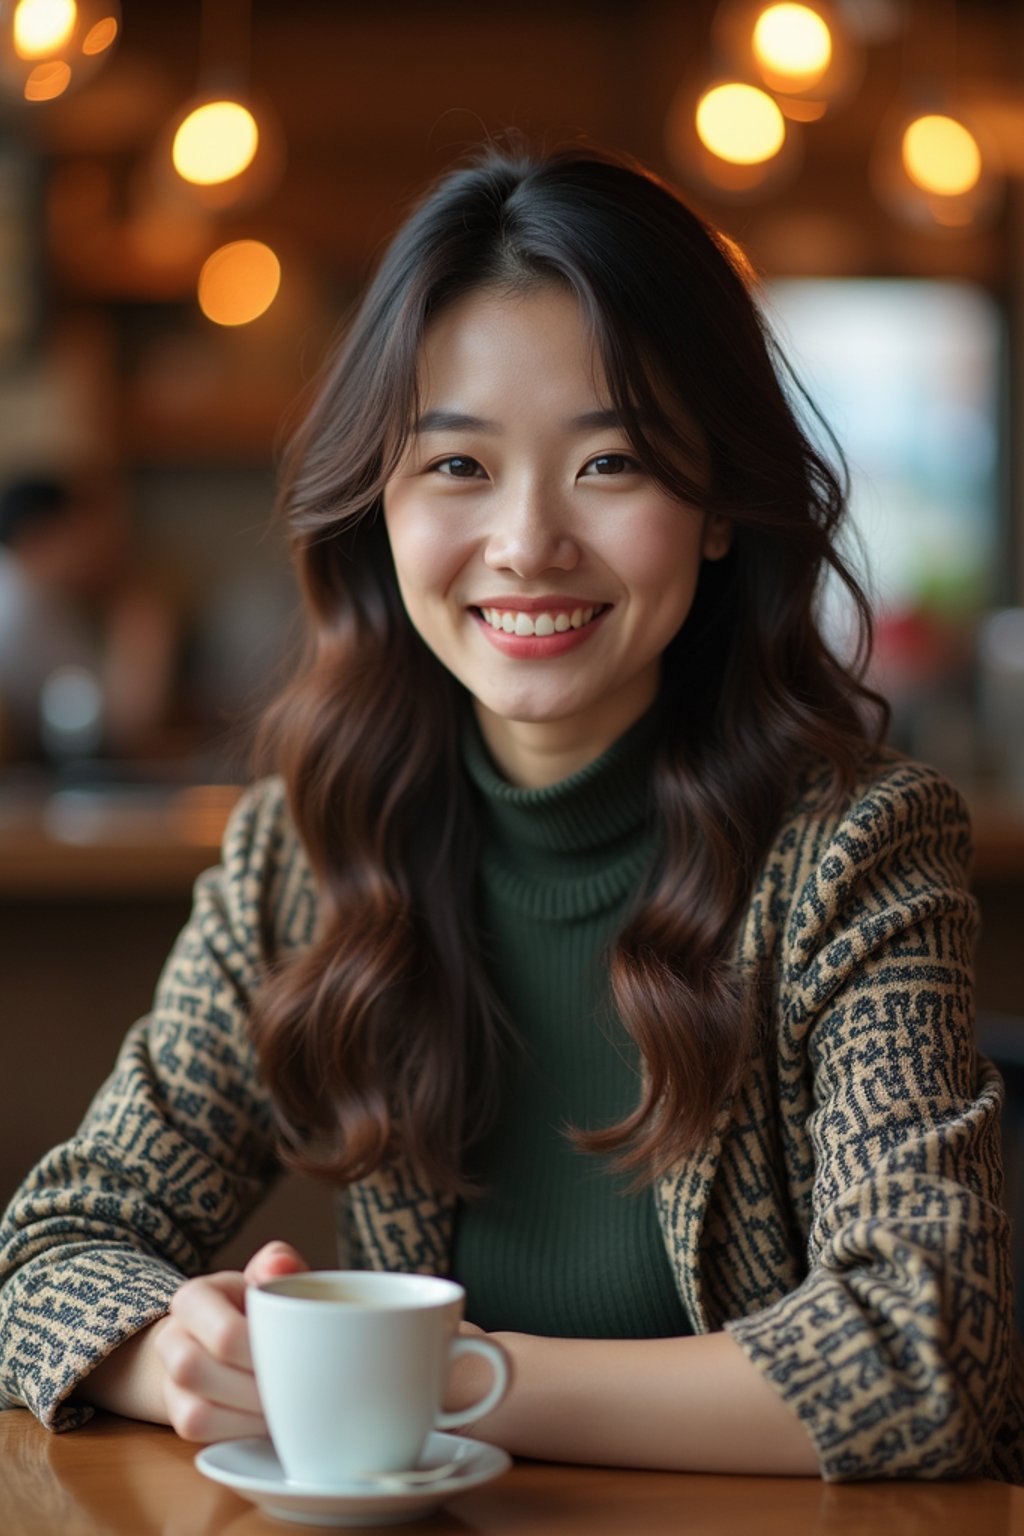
<point x="1000" y="1037"/>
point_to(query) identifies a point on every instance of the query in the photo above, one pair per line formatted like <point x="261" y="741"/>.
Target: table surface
<point x="116" y="1478"/>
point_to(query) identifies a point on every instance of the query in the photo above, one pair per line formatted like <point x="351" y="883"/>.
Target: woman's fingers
<point x="193" y="1370"/>
<point x="198" y="1419"/>
<point x="209" y="1389"/>
<point x="210" y="1311"/>
<point x="273" y="1259"/>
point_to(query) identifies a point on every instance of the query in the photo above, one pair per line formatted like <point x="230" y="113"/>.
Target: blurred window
<point x="908" y="374"/>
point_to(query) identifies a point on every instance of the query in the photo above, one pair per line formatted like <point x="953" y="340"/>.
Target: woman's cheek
<point x="429" y="551"/>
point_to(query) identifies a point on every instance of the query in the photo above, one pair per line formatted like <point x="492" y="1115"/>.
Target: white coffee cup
<point x="351" y="1367"/>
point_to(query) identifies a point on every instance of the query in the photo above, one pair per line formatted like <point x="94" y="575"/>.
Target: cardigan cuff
<point x="67" y="1313"/>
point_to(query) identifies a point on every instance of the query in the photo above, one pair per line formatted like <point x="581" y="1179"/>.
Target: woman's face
<point x="538" y="561"/>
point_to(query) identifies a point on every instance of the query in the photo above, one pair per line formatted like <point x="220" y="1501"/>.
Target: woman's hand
<point x="192" y="1369"/>
<point x="209" y="1388"/>
<point x="470" y="1378"/>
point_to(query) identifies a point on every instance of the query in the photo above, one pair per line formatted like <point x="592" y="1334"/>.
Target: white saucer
<point x="252" y="1469"/>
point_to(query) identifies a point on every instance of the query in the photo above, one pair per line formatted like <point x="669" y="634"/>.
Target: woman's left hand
<point x="470" y="1377"/>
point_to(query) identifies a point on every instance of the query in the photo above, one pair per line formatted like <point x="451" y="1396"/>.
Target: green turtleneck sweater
<point x="557" y="1246"/>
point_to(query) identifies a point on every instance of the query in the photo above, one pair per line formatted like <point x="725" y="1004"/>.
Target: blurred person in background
<point x="89" y="643"/>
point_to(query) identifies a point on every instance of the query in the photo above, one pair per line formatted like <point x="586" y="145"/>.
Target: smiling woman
<point x="585" y="938"/>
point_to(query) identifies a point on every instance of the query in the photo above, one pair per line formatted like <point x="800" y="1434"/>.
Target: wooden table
<point x="116" y="1478"/>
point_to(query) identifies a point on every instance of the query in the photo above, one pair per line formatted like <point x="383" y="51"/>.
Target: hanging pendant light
<point x="934" y="166"/>
<point x="727" y="136"/>
<point x="225" y="144"/>
<point x="808" y="55"/>
<point x="51" y="47"/>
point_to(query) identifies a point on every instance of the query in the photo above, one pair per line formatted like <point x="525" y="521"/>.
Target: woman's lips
<point x="540" y="630"/>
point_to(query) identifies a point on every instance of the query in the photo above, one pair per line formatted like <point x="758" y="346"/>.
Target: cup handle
<point x="491" y="1399"/>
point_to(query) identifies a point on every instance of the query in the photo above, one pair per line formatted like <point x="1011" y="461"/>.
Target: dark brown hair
<point x="383" y="1038"/>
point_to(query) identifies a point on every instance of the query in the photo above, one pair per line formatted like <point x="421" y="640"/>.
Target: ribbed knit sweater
<point x="558" y="1245"/>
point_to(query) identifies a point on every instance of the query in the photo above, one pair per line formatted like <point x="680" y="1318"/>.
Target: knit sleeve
<point x="896" y="1351"/>
<point x="173" y="1152"/>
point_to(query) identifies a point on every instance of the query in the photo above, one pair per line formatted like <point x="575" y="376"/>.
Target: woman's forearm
<point x="686" y="1404"/>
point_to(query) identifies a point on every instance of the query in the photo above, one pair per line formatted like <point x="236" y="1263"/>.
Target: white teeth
<point x="516" y="622"/>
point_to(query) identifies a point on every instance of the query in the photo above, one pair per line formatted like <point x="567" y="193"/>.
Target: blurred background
<point x="192" y="194"/>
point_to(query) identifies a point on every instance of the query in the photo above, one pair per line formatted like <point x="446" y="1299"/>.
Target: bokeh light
<point x="216" y="142"/>
<point x="99" y="37"/>
<point x="239" y="282"/>
<point x="940" y="155"/>
<point x="48" y="81"/>
<point x="794" y="43"/>
<point x="740" y="123"/>
<point x="43" y="27"/>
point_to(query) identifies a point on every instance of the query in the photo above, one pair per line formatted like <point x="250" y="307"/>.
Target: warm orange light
<point x="47" y="81"/>
<point x="99" y="37"/>
<point x="941" y="155"/>
<point x="741" y="124"/>
<point x="794" y="43"/>
<point x="42" y="27"/>
<point x="239" y="282"/>
<point x="215" y="142"/>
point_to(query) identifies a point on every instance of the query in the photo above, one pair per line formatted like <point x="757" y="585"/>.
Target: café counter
<point x="139" y="840"/>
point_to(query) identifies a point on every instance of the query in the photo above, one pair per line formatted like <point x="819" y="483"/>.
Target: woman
<point x="587" y="939"/>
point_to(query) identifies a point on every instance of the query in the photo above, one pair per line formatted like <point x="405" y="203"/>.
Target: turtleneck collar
<point x="575" y="847"/>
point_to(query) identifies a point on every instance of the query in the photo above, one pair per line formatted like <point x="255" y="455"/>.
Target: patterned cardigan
<point x="843" y="1221"/>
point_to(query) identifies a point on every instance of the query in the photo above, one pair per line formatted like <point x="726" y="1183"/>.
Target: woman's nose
<point x="530" y="535"/>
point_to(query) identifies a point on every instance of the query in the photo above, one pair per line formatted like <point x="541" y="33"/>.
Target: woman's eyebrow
<point x="440" y="420"/>
<point x="595" y="420"/>
<point x="453" y="421"/>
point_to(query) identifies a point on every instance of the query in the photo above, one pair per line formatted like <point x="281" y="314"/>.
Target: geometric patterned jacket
<point x="844" y="1220"/>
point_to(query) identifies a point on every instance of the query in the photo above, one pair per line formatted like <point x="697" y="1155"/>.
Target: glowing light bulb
<point x="42" y="27"/>
<point x="794" y="42"/>
<point x="239" y="282"/>
<point x="215" y="142"/>
<point x="941" y="155"/>
<point x="741" y="124"/>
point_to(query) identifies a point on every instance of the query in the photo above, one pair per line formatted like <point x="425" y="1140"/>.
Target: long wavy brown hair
<point x="384" y="1039"/>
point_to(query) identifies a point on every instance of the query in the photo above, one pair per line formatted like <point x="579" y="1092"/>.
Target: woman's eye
<point x="612" y="464"/>
<point x="458" y="467"/>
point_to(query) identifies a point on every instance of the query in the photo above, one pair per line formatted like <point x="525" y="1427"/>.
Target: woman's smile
<point x="538" y="627"/>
